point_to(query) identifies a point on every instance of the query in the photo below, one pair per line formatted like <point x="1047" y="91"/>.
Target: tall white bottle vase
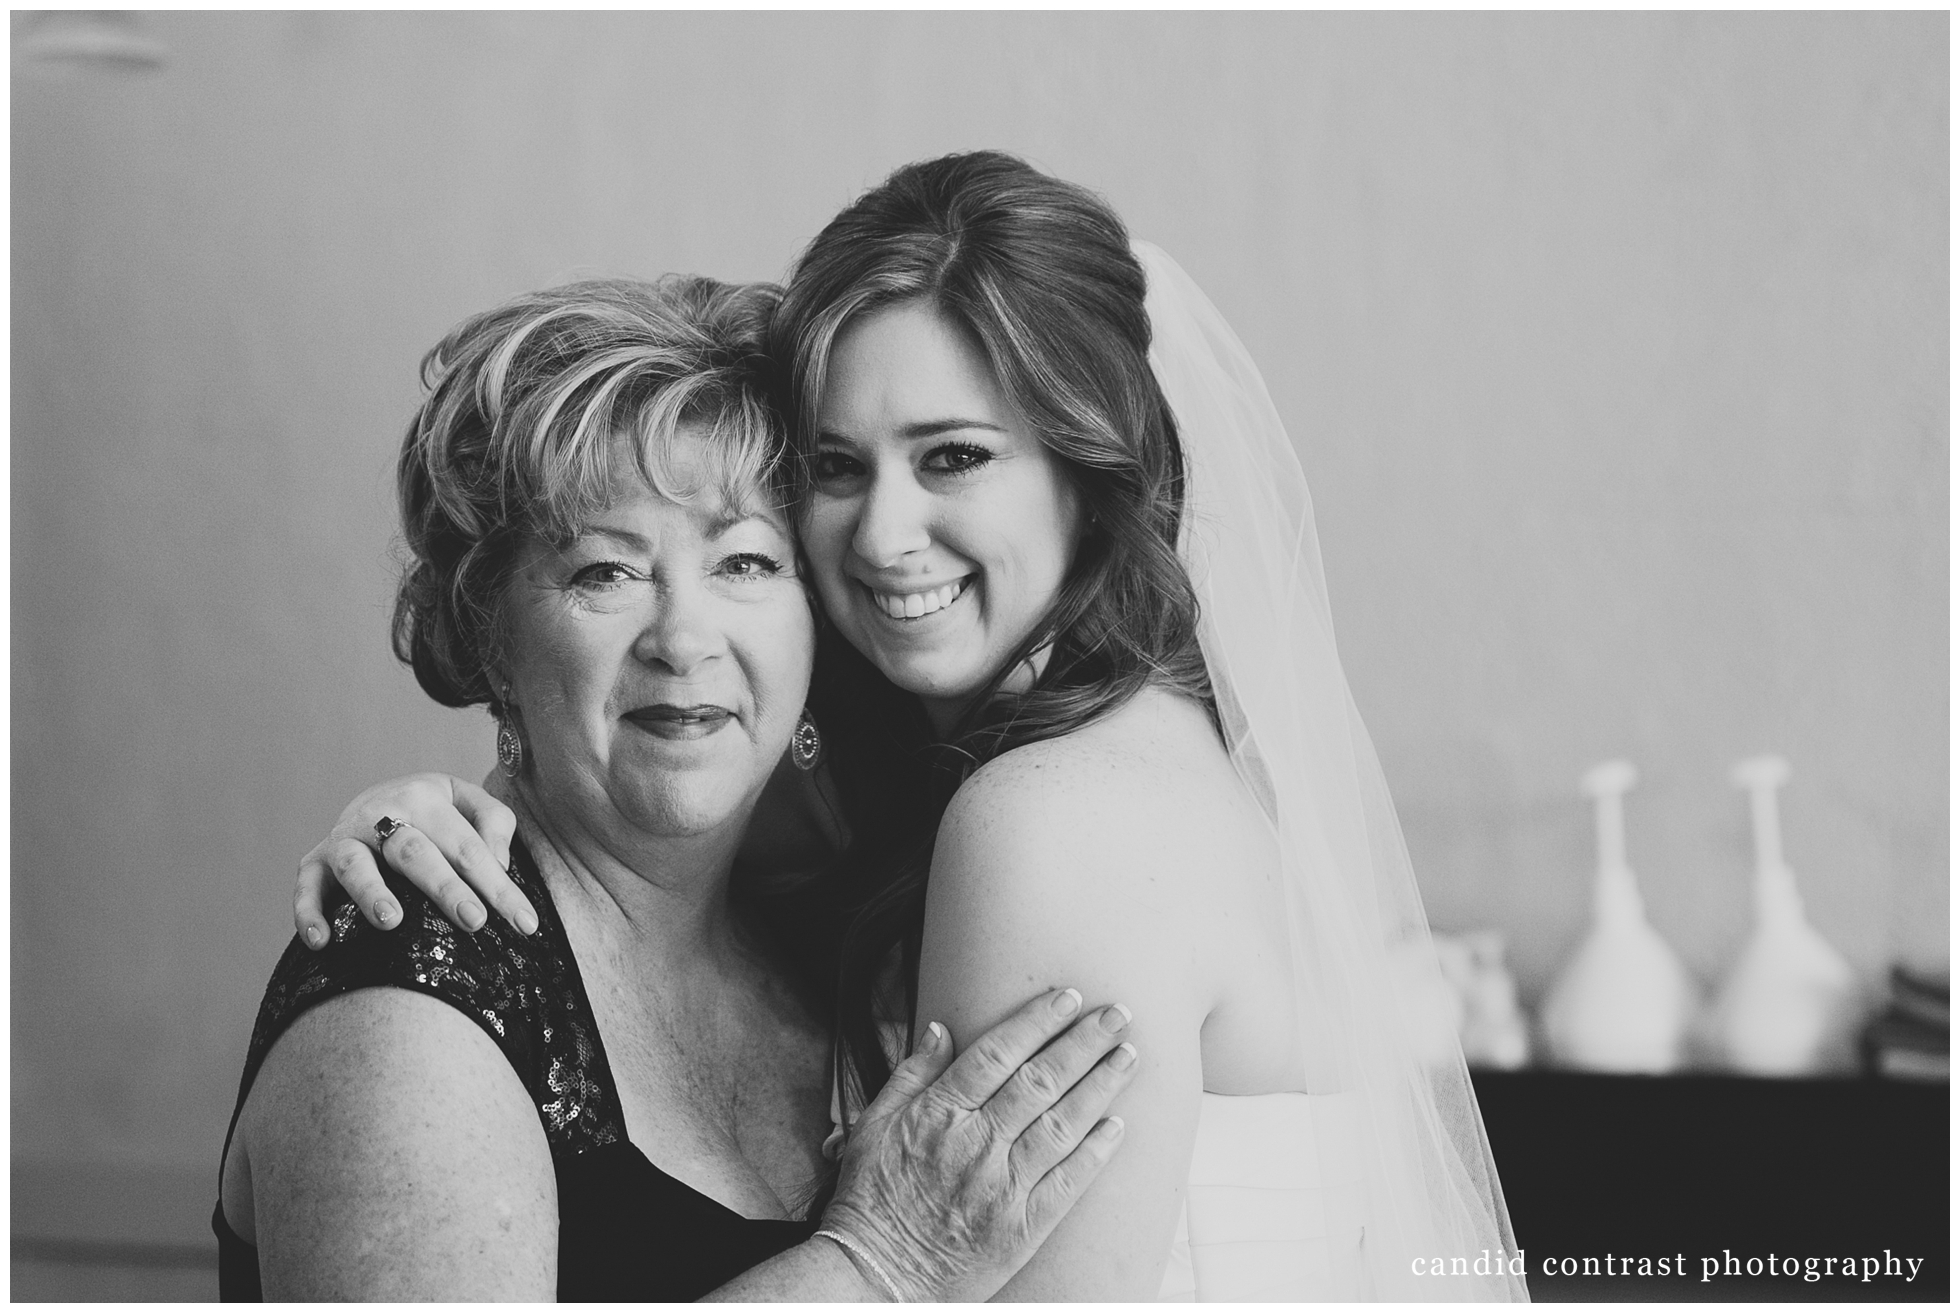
<point x="1789" y="1007"/>
<point x="1623" y="1002"/>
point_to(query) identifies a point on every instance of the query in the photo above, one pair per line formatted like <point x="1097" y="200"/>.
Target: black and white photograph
<point x="911" y="656"/>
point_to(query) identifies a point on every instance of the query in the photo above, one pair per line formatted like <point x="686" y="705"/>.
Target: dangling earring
<point x="806" y="743"/>
<point x="510" y="748"/>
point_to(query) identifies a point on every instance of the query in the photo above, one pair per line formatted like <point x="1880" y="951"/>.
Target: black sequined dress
<point x="626" y="1230"/>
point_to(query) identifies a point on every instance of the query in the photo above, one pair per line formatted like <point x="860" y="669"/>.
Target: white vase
<point x="1789" y="1007"/>
<point x="1493" y="1030"/>
<point x="1623" y="1002"/>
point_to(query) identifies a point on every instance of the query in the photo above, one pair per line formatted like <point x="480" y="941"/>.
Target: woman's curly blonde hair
<point x="517" y="441"/>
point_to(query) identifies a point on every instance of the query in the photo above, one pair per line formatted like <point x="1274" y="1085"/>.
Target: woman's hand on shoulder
<point x="961" y="1167"/>
<point x="454" y="839"/>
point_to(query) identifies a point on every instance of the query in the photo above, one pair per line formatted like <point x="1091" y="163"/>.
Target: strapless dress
<point x="1276" y="1202"/>
<point x="1277" y="1205"/>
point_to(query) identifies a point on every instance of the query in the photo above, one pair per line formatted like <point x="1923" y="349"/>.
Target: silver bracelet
<point x="856" y="1250"/>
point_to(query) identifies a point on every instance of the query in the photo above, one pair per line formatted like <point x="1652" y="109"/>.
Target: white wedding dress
<point x="1276" y="1207"/>
<point x="1276" y="1204"/>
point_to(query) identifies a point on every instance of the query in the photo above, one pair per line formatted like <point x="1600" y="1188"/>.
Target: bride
<point x="1084" y="719"/>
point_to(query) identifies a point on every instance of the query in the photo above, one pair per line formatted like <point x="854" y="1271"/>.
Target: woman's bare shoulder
<point x="391" y="1152"/>
<point x="359" y="1047"/>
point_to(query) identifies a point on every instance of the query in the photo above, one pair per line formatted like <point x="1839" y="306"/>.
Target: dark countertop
<point x="1718" y="1171"/>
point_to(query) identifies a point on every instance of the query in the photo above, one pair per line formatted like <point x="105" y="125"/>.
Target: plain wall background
<point x="1615" y="346"/>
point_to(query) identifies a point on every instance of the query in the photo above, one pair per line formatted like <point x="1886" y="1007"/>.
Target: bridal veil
<point x="1357" y="926"/>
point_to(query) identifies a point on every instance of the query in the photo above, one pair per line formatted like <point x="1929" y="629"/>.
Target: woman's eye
<point x="829" y="466"/>
<point x="601" y="574"/>
<point x="751" y="565"/>
<point x="957" y="459"/>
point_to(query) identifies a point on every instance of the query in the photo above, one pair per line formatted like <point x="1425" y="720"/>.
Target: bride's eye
<point x="830" y="466"/>
<point x="957" y="458"/>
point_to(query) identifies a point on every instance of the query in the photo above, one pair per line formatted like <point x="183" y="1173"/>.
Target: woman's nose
<point x="892" y="521"/>
<point x="681" y="633"/>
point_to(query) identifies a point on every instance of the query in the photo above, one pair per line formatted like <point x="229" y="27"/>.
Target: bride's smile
<point x="940" y="529"/>
<point x="919" y="605"/>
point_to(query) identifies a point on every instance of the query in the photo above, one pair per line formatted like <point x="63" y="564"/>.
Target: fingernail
<point x="472" y="913"/>
<point x="935" y="1036"/>
<point x="527" y="921"/>
<point x="315" y="936"/>
<point x="1067" y="1002"/>
<point x="385" y="911"/>
<point x="1115" y="1017"/>
<point x="1111" y="1128"/>
<point x="1124" y="1057"/>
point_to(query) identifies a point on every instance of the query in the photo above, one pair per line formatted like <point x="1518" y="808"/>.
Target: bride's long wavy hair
<point x="1040" y="273"/>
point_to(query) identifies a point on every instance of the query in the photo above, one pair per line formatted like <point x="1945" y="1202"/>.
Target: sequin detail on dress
<point x="524" y="990"/>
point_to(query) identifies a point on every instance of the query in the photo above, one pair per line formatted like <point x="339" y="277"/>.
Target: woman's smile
<point x="680" y="724"/>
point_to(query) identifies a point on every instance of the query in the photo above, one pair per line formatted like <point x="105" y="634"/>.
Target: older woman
<point x="631" y="1101"/>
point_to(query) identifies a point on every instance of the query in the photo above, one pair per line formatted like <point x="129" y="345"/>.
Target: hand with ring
<point x="448" y="837"/>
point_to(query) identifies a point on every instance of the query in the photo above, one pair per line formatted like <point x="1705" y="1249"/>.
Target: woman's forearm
<point x="818" y="1270"/>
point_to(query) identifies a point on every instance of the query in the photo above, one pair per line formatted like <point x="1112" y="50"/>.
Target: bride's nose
<point x="893" y="520"/>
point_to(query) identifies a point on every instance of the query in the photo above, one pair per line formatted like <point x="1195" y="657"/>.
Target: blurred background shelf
<point x="89" y="1232"/>
<point x="1694" y="1165"/>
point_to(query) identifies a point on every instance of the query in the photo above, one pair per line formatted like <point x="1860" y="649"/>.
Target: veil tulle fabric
<point x="1358" y="930"/>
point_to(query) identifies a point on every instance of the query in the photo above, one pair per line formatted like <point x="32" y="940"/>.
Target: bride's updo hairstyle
<point x="1040" y="275"/>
